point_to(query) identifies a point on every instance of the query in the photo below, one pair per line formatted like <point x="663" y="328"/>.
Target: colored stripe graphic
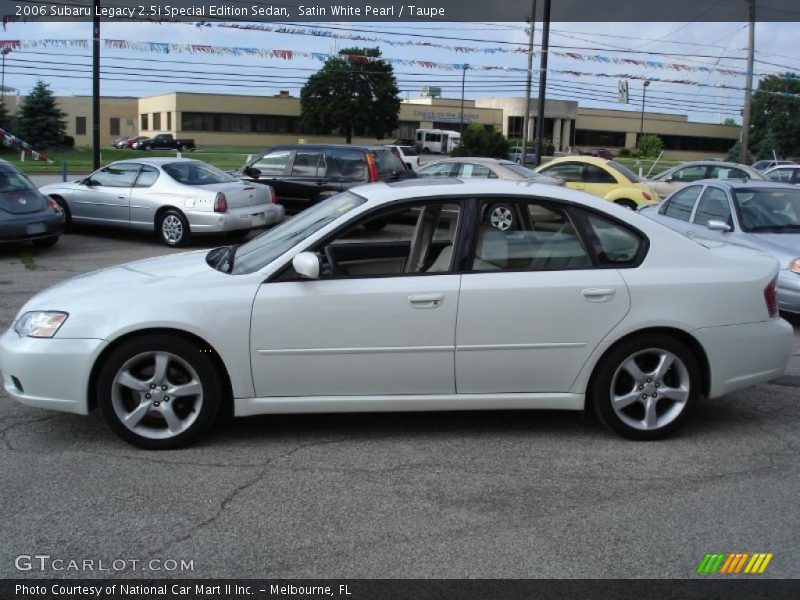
<point x="732" y="563"/>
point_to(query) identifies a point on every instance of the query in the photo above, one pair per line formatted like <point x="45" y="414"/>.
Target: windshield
<point x="768" y="210"/>
<point x="626" y="172"/>
<point x="196" y="173"/>
<point x="262" y="250"/>
<point x="12" y="181"/>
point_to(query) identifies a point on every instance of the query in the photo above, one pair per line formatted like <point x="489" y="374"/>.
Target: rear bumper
<point x="33" y="226"/>
<point x="741" y="356"/>
<point x="235" y="219"/>
<point x="48" y="373"/>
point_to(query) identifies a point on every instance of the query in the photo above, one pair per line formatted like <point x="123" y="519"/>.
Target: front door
<point x="380" y="320"/>
<point x="104" y="196"/>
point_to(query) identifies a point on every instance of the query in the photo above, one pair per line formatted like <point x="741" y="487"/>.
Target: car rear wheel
<point x="646" y="387"/>
<point x="501" y="216"/>
<point x="159" y="392"/>
<point x="625" y="203"/>
<point x="173" y="228"/>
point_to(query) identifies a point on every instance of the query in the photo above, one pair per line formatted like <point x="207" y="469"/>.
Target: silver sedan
<point x="685" y="173"/>
<point x="761" y="215"/>
<point x="174" y="197"/>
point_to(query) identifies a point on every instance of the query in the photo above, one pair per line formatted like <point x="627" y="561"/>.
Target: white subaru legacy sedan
<point x="580" y="304"/>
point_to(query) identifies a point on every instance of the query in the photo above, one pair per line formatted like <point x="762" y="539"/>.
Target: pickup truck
<point x="165" y="141"/>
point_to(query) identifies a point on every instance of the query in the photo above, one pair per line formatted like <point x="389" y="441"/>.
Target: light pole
<point x="463" y="81"/>
<point x="3" y="82"/>
<point x="644" y="95"/>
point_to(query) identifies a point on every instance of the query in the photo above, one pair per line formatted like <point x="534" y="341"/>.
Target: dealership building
<point x="261" y="121"/>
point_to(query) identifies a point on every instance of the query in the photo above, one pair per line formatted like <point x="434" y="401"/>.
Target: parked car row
<point x="162" y="141"/>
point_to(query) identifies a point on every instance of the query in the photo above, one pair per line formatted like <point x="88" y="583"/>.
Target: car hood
<point x="785" y="245"/>
<point x="123" y="283"/>
<point x="61" y="185"/>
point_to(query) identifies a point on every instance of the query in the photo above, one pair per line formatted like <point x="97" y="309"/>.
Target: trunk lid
<point x="241" y="194"/>
<point x="21" y="201"/>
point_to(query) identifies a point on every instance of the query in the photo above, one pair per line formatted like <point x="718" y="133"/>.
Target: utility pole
<point x="644" y="96"/>
<point x="748" y="86"/>
<point x="96" y="86"/>
<point x="3" y="82"/>
<point x="527" y="116"/>
<point x="463" y="79"/>
<point x="542" y="80"/>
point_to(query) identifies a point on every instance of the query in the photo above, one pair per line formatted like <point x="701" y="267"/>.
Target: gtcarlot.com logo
<point x="46" y="562"/>
<point x="734" y="563"/>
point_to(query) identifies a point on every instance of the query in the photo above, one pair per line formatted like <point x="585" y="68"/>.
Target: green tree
<point x="767" y="146"/>
<point x="776" y="115"/>
<point x="479" y="141"/>
<point x="735" y="151"/>
<point x="40" y="121"/>
<point x="650" y="145"/>
<point x="354" y="93"/>
<point x="731" y="122"/>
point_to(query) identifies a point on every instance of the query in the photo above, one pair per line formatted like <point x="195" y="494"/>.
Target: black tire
<point x="625" y="203"/>
<point x="501" y="216"/>
<point x="171" y="232"/>
<point x="375" y="225"/>
<point x="238" y="234"/>
<point x="630" y="421"/>
<point x="114" y="398"/>
<point x="47" y="242"/>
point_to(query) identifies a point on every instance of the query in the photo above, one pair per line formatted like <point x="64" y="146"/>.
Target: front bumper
<point x="32" y="226"/>
<point x="741" y="356"/>
<point x="50" y="373"/>
<point x="235" y="219"/>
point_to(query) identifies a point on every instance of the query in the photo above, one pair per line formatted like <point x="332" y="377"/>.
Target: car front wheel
<point x="646" y="387"/>
<point x="159" y="392"/>
<point x="173" y="228"/>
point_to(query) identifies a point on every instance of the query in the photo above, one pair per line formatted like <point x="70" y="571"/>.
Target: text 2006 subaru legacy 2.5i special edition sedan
<point x="580" y="303"/>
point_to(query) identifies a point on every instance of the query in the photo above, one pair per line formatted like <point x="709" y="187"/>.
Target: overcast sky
<point x="708" y="44"/>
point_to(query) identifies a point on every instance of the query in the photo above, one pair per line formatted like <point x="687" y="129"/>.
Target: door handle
<point x="426" y="300"/>
<point x="122" y="197"/>
<point x="598" y="294"/>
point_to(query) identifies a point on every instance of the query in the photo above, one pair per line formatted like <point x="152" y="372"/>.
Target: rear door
<point x="104" y="197"/>
<point x="533" y="306"/>
<point x="305" y="178"/>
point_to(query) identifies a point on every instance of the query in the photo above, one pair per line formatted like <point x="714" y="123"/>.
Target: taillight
<point x="771" y="297"/>
<point x="372" y="168"/>
<point x="220" y="203"/>
<point x="54" y="205"/>
<point x="273" y="197"/>
<point x="647" y="196"/>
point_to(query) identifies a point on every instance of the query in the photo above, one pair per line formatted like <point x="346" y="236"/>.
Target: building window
<point x="144" y="126"/>
<point x="80" y="125"/>
<point x="157" y="121"/>
<point x="113" y="126"/>
<point x="239" y="123"/>
<point x="169" y="120"/>
<point x="514" y="127"/>
<point x="589" y="137"/>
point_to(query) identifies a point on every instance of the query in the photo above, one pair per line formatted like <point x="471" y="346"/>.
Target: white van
<point x="437" y="141"/>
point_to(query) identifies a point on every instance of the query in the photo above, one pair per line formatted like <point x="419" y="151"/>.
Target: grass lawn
<point x="79" y="160"/>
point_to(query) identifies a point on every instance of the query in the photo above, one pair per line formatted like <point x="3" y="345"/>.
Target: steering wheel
<point x="332" y="265"/>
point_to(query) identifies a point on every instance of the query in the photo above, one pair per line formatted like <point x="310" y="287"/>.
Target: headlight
<point x="794" y="265"/>
<point x="40" y="324"/>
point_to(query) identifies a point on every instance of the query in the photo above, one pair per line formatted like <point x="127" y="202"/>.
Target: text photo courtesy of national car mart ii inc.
<point x="176" y="590"/>
<point x="221" y="10"/>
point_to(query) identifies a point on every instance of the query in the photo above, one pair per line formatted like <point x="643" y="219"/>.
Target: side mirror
<point x="669" y="179"/>
<point x="307" y="265"/>
<point x="251" y="171"/>
<point x="87" y="182"/>
<point x="718" y="225"/>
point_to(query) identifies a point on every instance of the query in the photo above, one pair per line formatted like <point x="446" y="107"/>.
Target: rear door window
<point x="475" y="171"/>
<point x="595" y="174"/>
<point x="305" y="163"/>
<point x="345" y="163"/>
<point x="713" y="205"/>
<point x="388" y="163"/>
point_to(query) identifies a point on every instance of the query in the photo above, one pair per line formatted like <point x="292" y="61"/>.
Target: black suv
<point x="302" y="174"/>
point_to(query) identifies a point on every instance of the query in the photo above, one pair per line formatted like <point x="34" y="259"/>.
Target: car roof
<point x="710" y="163"/>
<point x="783" y="166"/>
<point x="323" y="146"/>
<point x="593" y="160"/>
<point x="157" y="161"/>
<point x="382" y="193"/>
<point x="476" y="159"/>
<point x="744" y="184"/>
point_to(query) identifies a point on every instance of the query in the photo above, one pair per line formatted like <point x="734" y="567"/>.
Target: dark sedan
<point x="26" y="214"/>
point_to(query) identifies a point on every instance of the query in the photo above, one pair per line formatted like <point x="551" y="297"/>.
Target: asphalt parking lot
<point x="516" y="494"/>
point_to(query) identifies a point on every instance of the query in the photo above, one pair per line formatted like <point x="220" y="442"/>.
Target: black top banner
<point x="399" y="589"/>
<point x="400" y="10"/>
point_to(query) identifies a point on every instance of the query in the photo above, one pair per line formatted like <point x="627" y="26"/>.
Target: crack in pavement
<point x="5" y="430"/>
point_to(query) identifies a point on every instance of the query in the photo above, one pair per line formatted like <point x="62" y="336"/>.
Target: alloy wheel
<point x="172" y="229"/>
<point x="501" y="218"/>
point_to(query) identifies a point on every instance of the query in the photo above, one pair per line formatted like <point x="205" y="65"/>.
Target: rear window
<point x="520" y="170"/>
<point x="408" y="150"/>
<point x="196" y="173"/>
<point x="11" y="180"/>
<point x="630" y="175"/>
<point x="388" y="162"/>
